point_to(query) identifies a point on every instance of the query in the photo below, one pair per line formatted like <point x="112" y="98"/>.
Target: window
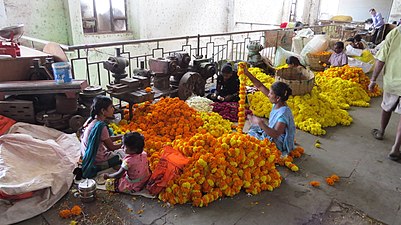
<point x="104" y="16"/>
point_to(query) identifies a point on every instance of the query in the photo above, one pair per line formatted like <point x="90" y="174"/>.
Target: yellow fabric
<point x="341" y="18"/>
<point x="390" y="54"/>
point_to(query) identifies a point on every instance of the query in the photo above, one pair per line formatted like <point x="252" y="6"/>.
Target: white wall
<point x="395" y="13"/>
<point x="3" y="15"/>
<point x="359" y="9"/>
<point x="157" y="18"/>
<point x="258" y="11"/>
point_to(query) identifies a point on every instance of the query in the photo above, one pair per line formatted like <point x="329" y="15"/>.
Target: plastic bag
<point x="366" y="67"/>
<point x="351" y="51"/>
<point x="282" y="55"/>
<point x="319" y="43"/>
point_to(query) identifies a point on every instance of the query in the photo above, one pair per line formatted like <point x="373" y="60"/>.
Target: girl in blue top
<point x="281" y="126"/>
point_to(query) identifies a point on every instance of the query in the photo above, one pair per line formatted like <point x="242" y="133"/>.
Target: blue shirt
<point x="377" y="20"/>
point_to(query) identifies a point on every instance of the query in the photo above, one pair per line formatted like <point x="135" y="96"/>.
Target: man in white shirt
<point x="378" y="26"/>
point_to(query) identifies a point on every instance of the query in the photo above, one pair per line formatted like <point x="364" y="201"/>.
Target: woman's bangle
<point x="372" y="81"/>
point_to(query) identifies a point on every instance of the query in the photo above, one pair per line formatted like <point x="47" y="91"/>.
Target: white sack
<point x="39" y="159"/>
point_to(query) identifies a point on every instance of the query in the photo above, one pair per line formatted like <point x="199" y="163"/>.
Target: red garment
<point x="5" y="124"/>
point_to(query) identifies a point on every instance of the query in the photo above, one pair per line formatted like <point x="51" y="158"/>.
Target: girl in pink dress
<point x="134" y="172"/>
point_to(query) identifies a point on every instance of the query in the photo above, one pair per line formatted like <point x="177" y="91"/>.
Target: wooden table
<point x="41" y="87"/>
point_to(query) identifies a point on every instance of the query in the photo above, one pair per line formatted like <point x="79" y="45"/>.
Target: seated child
<point x="357" y="42"/>
<point x="338" y="58"/>
<point x="134" y="172"/>
<point x="293" y="61"/>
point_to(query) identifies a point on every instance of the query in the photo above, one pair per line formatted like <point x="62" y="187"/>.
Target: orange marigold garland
<point x="242" y="96"/>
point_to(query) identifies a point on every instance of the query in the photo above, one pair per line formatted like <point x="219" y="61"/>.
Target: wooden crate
<point x="19" y="110"/>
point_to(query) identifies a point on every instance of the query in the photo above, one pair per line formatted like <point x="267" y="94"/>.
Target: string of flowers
<point x="242" y="96"/>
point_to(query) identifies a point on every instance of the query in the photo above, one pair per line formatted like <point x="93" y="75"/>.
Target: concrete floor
<point x="369" y="190"/>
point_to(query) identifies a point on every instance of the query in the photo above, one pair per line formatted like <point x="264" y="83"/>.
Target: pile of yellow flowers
<point x="222" y="167"/>
<point x="259" y="104"/>
<point x="354" y="74"/>
<point x="312" y="112"/>
<point x="343" y="92"/>
<point x="215" y="124"/>
<point x="260" y="75"/>
<point x="324" y="107"/>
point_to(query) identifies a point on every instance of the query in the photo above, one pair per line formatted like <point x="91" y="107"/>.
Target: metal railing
<point x="87" y="60"/>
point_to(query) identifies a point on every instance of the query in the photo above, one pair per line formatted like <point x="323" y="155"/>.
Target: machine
<point x="9" y="44"/>
<point x="116" y="65"/>
<point x="171" y="76"/>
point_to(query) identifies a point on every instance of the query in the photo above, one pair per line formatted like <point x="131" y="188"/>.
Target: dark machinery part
<point x="86" y="99"/>
<point x="142" y="72"/>
<point x="39" y="72"/>
<point x="255" y="58"/>
<point x="191" y="83"/>
<point x="76" y="122"/>
<point x="205" y="67"/>
<point x="116" y="65"/>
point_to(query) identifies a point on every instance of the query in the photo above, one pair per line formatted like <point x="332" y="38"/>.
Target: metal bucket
<point x="87" y="190"/>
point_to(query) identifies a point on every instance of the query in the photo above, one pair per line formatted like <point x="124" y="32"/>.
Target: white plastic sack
<point x="366" y="67"/>
<point x="305" y="33"/>
<point x="282" y="55"/>
<point x="35" y="159"/>
<point x="319" y="43"/>
<point x="298" y="43"/>
<point x="351" y="51"/>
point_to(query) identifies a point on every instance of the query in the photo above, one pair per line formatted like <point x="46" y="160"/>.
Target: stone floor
<point x="369" y="190"/>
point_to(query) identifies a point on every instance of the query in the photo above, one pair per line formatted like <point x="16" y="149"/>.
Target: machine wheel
<point x="76" y="122"/>
<point x="191" y="82"/>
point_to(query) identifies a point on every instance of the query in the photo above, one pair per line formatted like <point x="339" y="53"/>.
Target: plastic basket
<point x="315" y="61"/>
<point x="300" y="80"/>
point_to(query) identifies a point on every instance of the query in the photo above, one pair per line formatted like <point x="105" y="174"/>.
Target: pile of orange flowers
<point x="219" y="165"/>
<point x="162" y="122"/>
<point x="354" y="74"/>
<point x="242" y="96"/>
<point x="324" y="53"/>
<point x="222" y="167"/>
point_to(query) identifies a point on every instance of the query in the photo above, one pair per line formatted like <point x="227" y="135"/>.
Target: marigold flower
<point x="335" y="178"/>
<point x="64" y="213"/>
<point x="329" y="181"/>
<point x="76" y="210"/>
<point x="314" y="183"/>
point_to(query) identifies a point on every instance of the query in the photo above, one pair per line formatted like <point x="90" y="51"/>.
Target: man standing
<point x="388" y="58"/>
<point x="378" y="26"/>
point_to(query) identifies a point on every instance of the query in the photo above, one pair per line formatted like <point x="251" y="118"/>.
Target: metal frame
<point x="112" y="19"/>
<point x="87" y="59"/>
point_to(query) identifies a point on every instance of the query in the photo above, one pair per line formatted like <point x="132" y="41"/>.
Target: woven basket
<point x="300" y="80"/>
<point x="316" y="61"/>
